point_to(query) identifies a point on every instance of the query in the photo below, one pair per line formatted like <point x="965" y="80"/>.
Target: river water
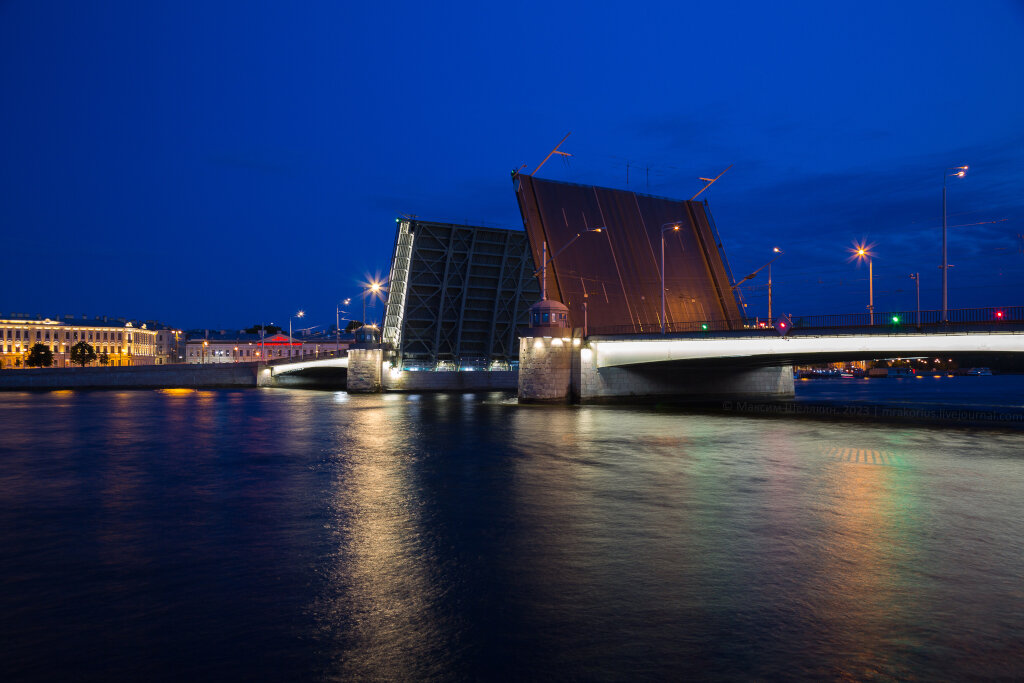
<point x="278" y="534"/>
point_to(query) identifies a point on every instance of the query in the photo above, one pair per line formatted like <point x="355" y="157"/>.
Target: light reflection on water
<point x="291" y="534"/>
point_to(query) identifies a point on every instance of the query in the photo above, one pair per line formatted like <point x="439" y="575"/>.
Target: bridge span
<point x="768" y="351"/>
<point x="744" y="358"/>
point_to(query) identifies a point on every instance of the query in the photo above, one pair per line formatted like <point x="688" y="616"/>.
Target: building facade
<point x="118" y="342"/>
<point x="250" y="348"/>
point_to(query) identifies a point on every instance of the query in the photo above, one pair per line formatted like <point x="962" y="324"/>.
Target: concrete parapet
<point x="364" y="371"/>
<point x="140" y="377"/>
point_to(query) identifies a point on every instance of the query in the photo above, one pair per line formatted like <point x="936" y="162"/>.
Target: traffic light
<point x="999" y="315"/>
<point x="895" y="320"/>
<point x="704" y="326"/>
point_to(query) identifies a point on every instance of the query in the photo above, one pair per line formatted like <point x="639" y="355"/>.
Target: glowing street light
<point x="916" y="277"/>
<point x="959" y="172"/>
<point x="859" y="253"/>
<point x="674" y="226"/>
<point x="300" y="314"/>
<point x="337" y="323"/>
<point x="374" y="287"/>
<point x="778" y="252"/>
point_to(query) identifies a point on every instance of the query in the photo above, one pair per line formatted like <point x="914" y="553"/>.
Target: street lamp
<point x="300" y="314"/>
<point x="545" y="260"/>
<point x="959" y="172"/>
<point x="861" y="252"/>
<point x="665" y="227"/>
<point x="778" y="252"/>
<point x="370" y="291"/>
<point x="916" y="277"/>
<point x="337" y="323"/>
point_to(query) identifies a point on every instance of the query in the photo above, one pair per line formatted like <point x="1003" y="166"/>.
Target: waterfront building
<point x="119" y="341"/>
<point x="242" y="347"/>
<point x="169" y="343"/>
<point x="457" y="295"/>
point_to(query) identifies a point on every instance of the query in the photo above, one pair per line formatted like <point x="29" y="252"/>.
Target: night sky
<point x="222" y="164"/>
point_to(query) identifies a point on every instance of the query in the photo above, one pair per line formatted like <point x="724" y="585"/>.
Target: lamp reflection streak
<point x="379" y="607"/>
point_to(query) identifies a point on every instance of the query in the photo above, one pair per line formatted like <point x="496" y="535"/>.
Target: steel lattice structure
<point x="458" y="293"/>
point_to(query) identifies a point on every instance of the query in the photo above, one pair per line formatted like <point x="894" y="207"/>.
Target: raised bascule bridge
<point x="640" y="303"/>
<point x="610" y="295"/>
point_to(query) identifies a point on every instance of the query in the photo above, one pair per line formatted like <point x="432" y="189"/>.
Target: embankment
<point x="138" y="377"/>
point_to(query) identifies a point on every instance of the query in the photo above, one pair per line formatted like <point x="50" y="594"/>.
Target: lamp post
<point x="543" y="270"/>
<point x="369" y="291"/>
<point x="860" y="253"/>
<point x="674" y="226"/>
<point x="959" y="172"/>
<point x="337" y="324"/>
<point x="300" y="314"/>
<point x="916" y="277"/>
<point x="780" y="253"/>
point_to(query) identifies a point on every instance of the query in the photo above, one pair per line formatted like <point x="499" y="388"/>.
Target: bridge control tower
<point x="546" y="354"/>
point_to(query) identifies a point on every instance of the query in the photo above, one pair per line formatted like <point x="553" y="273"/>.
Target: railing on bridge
<point x="891" y="322"/>
<point x="317" y="355"/>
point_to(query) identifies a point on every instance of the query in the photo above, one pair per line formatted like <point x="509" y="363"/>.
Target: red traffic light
<point x="999" y="315"/>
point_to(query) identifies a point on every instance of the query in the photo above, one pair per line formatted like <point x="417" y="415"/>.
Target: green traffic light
<point x="703" y="326"/>
<point x="895" y="318"/>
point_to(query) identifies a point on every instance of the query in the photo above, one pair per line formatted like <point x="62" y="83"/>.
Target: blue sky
<point x="217" y="166"/>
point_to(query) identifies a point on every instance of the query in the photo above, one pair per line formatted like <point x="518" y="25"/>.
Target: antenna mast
<point x="710" y="182"/>
<point x="554" y="151"/>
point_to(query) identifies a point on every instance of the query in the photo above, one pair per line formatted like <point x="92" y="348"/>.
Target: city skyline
<point x="252" y="159"/>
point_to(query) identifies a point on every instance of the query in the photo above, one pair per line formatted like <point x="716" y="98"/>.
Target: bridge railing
<point x="887" y="322"/>
<point x="316" y="355"/>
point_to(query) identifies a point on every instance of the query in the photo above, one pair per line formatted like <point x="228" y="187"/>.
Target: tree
<point x="104" y="358"/>
<point x="82" y="353"/>
<point x="40" y="356"/>
<point x="353" y="325"/>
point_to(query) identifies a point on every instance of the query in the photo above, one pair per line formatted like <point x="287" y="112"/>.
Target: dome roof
<point x="549" y="313"/>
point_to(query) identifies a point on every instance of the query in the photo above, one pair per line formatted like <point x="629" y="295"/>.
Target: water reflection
<point x="383" y="583"/>
<point x="286" y="534"/>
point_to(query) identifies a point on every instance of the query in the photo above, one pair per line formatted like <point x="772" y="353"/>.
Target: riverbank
<point x="213" y="376"/>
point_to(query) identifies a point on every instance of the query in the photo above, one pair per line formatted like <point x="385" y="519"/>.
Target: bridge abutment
<point x="545" y="369"/>
<point x="364" y="371"/>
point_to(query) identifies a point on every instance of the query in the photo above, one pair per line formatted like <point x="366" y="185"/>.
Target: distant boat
<point x="979" y="371"/>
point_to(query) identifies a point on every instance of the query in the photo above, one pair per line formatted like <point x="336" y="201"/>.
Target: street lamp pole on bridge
<point x="959" y="172"/>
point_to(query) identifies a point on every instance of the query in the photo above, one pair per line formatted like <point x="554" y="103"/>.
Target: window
<point x="39" y="335"/>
